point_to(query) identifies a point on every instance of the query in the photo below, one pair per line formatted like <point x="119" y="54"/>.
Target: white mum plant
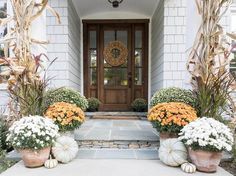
<point x="33" y="132"/>
<point x="207" y="134"/>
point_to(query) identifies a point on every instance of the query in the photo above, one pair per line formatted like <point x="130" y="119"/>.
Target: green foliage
<point x="93" y="104"/>
<point x="174" y="94"/>
<point x="4" y="163"/>
<point x="213" y="96"/>
<point x="3" y="135"/>
<point x="139" y="105"/>
<point x="67" y="95"/>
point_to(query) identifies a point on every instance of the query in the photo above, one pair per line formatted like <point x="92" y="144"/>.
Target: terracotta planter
<point x="35" y="158"/>
<point x="205" y="161"/>
<point x="167" y="135"/>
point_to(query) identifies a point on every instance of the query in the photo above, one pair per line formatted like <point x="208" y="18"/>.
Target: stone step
<point x="140" y="154"/>
<point x="109" y="117"/>
<point x="100" y="144"/>
<point x="104" y="154"/>
<point x="118" y="115"/>
<point x="146" y="154"/>
<point x="116" y="130"/>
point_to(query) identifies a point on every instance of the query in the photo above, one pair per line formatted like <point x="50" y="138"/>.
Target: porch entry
<point x="116" y="62"/>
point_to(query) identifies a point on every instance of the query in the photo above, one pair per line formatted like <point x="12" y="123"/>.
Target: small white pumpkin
<point x="65" y="149"/>
<point x="188" y="167"/>
<point x="172" y="152"/>
<point x="51" y="163"/>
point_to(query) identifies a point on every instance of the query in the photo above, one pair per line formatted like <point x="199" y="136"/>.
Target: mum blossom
<point x="206" y="133"/>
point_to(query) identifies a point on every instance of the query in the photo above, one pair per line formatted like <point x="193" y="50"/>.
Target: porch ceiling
<point x="144" y="8"/>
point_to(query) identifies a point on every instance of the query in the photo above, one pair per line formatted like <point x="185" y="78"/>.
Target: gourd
<point x="51" y="163"/>
<point x="172" y="152"/>
<point x="65" y="149"/>
<point x="188" y="167"/>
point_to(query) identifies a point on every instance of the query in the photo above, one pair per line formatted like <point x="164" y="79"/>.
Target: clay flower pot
<point x="167" y="135"/>
<point x="205" y="161"/>
<point x="34" y="158"/>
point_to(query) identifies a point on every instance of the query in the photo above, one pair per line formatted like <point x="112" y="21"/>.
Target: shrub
<point x="93" y="104"/>
<point x="171" y="117"/>
<point x="174" y="94"/>
<point x="33" y="132"/>
<point x="67" y="116"/>
<point x="65" y="95"/>
<point x="3" y="134"/>
<point x="139" y="105"/>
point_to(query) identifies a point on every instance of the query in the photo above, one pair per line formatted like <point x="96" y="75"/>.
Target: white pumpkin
<point x="51" y="163"/>
<point x="172" y="152"/>
<point x="188" y="167"/>
<point x="65" y="149"/>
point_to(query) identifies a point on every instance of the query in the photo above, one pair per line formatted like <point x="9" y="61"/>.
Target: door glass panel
<point x="108" y="37"/>
<point x="93" y="76"/>
<point x="138" y="76"/>
<point x="138" y="39"/>
<point x="93" y="39"/>
<point x="122" y="36"/>
<point x="138" y="57"/>
<point x="93" y="58"/>
<point x="115" y="77"/>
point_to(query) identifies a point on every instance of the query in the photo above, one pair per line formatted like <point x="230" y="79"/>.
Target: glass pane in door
<point x="115" y="76"/>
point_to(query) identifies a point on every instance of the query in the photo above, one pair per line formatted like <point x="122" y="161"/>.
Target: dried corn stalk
<point x="209" y="59"/>
<point x="23" y="74"/>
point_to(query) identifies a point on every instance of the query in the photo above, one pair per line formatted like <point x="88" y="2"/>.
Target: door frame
<point x="133" y="22"/>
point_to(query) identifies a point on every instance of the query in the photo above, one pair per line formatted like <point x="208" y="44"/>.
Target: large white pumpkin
<point x="65" y="149"/>
<point x="172" y="152"/>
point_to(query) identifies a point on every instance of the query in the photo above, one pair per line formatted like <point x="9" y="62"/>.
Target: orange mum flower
<point x="65" y="114"/>
<point x="172" y="115"/>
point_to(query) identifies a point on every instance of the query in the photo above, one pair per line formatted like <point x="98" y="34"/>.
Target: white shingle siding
<point x="3" y="93"/>
<point x="168" y="62"/>
<point x="4" y="97"/>
<point x="157" y="48"/>
<point x="174" y="43"/>
<point x="64" y="45"/>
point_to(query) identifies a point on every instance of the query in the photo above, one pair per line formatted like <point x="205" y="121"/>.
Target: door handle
<point x="130" y="79"/>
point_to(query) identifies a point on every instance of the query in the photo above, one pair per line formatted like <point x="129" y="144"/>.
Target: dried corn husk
<point x="23" y="73"/>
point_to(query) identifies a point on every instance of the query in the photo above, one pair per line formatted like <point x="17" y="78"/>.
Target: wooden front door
<point x="116" y="85"/>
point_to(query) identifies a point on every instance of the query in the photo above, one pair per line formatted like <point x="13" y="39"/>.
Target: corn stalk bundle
<point x="209" y="60"/>
<point x="23" y="71"/>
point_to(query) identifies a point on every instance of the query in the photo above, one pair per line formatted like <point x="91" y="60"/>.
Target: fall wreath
<point x="115" y="53"/>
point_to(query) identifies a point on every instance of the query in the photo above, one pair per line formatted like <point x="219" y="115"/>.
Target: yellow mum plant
<point x="67" y="116"/>
<point x="171" y="117"/>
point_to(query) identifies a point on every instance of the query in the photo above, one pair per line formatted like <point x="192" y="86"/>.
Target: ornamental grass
<point x="67" y="116"/>
<point x="171" y="117"/>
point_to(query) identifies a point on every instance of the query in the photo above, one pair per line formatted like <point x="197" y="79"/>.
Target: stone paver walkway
<point x="80" y="167"/>
<point x="108" y="130"/>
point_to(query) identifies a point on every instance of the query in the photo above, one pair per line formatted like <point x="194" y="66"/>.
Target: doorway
<point x="116" y="62"/>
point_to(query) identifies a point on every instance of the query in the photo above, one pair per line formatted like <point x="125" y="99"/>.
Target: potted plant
<point x="174" y="94"/>
<point x="139" y="105"/>
<point x="170" y="118"/>
<point x="64" y="94"/>
<point x="93" y="104"/>
<point x="206" y="138"/>
<point x="33" y="137"/>
<point x="67" y="116"/>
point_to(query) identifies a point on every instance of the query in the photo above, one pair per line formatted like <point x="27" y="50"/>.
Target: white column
<point x="193" y="22"/>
